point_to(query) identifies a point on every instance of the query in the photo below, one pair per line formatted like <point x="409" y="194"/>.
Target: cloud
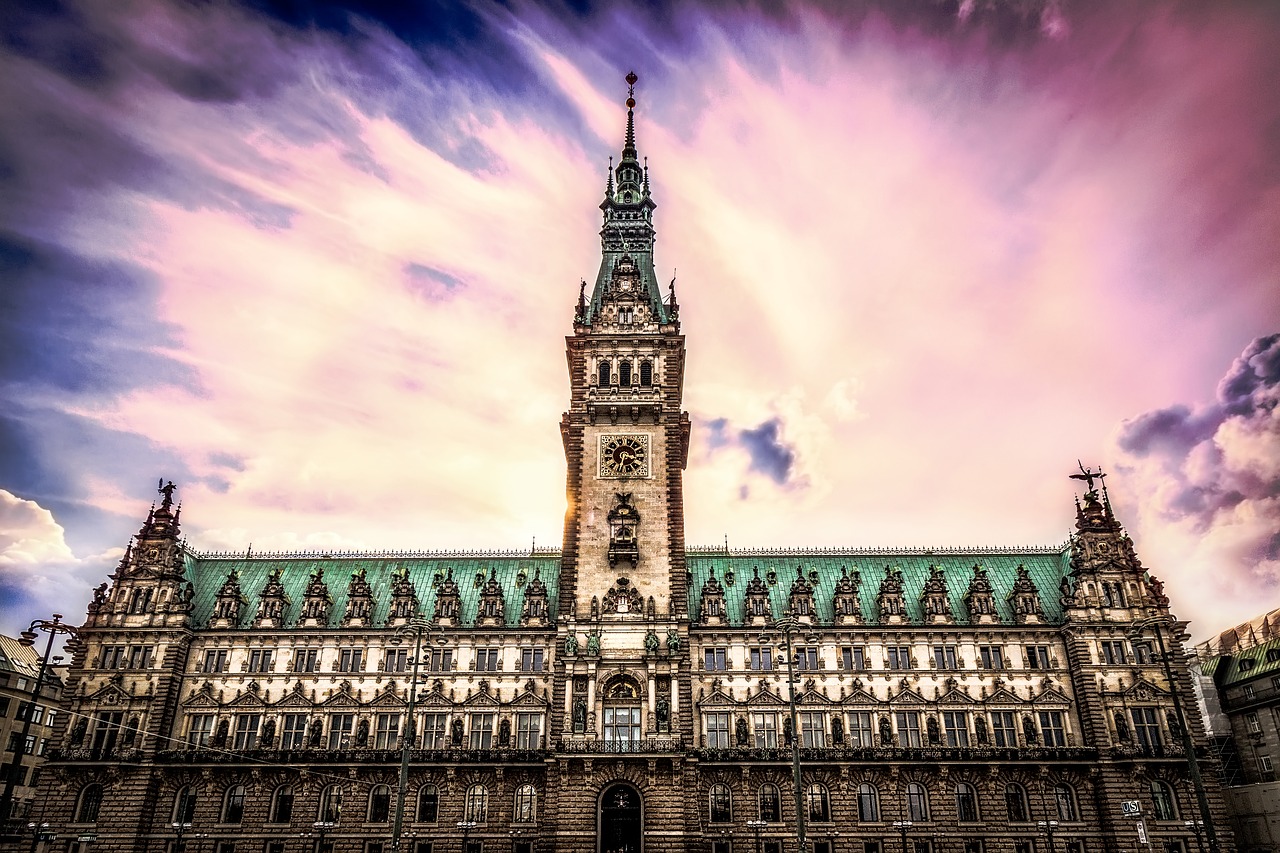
<point x="767" y="453"/>
<point x="1213" y="475"/>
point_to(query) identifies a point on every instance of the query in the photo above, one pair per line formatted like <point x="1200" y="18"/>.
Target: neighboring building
<point x="19" y="668"/>
<point x="1241" y="685"/>
<point x="616" y="694"/>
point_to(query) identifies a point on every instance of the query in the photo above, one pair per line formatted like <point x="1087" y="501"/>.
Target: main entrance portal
<point x="621" y="819"/>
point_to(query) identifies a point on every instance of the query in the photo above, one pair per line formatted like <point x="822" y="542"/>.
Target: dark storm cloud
<point x="1223" y="454"/>
<point x="768" y="453"/>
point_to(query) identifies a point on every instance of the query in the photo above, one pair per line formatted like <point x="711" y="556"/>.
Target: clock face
<point x="624" y="455"/>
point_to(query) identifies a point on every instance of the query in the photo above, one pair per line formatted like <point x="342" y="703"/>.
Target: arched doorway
<point x="621" y="819"/>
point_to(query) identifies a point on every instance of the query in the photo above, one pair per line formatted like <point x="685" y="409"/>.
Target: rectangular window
<point x="4" y="707"/>
<point x="1146" y="730"/>
<point x="1264" y="763"/>
<point x="387" y="733"/>
<point x="944" y="657"/>
<point x="482" y="731"/>
<point x="1037" y="657"/>
<point x="396" y="660"/>
<point x="762" y="659"/>
<point x="813" y="733"/>
<point x="1142" y="653"/>
<point x="871" y="847"/>
<point x="106" y="730"/>
<point x="294" y="733"/>
<point x="1003" y="732"/>
<point x="528" y="731"/>
<point x="908" y="728"/>
<point x="215" y="660"/>
<point x="340" y="728"/>
<point x="488" y="660"/>
<point x="1052" y="731"/>
<point x="139" y="657"/>
<point x="1251" y="722"/>
<point x="531" y="660"/>
<point x="1248" y="691"/>
<point x="434" y="727"/>
<point x="306" y="660"/>
<point x="766" y="730"/>
<point x="992" y="657"/>
<point x="201" y="729"/>
<point x="350" y="660"/>
<point x="112" y="657"/>
<point x="861" y="732"/>
<point x="1113" y="652"/>
<point x="853" y="658"/>
<point x="441" y="660"/>
<point x="955" y="728"/>
<point x="261" y="660"/>
<point x="1023" y="847"/>
<point x="822" y="847"/>
<point x="807" y="657"/>
<point x="26" y="709"/>
<point x="622" y="726"/>
<point x="247" y="731"/>
<point x="717" y="731"/>
<point x="898" y="657"/>
<point x="715" y="660"/>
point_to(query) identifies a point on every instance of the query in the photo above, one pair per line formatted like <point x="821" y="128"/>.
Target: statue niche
<point x="623" y="521"/>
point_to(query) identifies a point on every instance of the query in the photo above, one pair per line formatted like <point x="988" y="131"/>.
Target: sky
<point x="315" y="263"/>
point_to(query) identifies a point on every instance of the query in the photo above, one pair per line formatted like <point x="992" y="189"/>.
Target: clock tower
<point x="625" y="437"/>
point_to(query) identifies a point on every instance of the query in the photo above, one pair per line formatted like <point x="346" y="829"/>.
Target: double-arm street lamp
<point x="53" y="628"/>
<point x="466" y="826"/>
<point x="1048" y="827"/>
<point x="1136" y="632"/>
<point x="416" y="627"/>
<point x="902" y="826"/>
<point x="789" y="627"/>
<point x="755" y="826"/>
<point x="1196" y="826"/>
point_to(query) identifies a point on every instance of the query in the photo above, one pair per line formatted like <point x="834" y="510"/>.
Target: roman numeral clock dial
<point x="624" y="456"/>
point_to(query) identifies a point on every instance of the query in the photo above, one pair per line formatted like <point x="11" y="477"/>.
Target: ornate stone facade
<point x="616" y="693"/>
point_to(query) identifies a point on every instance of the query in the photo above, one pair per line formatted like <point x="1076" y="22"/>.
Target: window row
<point x="892" y="658"/>
<point x="626" y="375"/>
<point x="915" y="805"/>
<point x="480" y="730"/>
<point x="355" y="660"/>
<point x="862" y="729"/>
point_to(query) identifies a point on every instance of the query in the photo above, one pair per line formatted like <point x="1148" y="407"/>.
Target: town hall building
<point x="625" y="693"/>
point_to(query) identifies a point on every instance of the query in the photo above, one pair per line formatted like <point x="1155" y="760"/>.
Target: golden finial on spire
<point x="631" y="89"/>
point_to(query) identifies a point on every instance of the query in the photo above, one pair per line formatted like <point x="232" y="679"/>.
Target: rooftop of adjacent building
<point x="24" y="662"/>
<point x="1246" y="635"/>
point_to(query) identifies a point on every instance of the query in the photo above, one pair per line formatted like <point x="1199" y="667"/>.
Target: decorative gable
<point x="845" y="605"/>
<point x="448" y="609"/>
<point x="272" y="602"/>
<point x="359" y="611"/>
<point x="317" y="601"/>
<point x="934" y="601"/>
<point x="800" y="602"/>
<point x="404" y="597"/>
<point x="712" y="605"/>
<point x="226" y="610"/>
<point x="979" y="600"/>
<point x="755" y="603"/>
<point x="492" y="608"/>
<point x="890" y="605"/>
<point x="623" y="521"/>
<point x="1024" y="598"/>
<point x="534" y="611"/>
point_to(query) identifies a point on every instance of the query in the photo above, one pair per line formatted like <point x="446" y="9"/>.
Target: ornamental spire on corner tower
<point x="627" y="232"/>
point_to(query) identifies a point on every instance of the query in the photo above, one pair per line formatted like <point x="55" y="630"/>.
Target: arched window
<point x="868" y="803"/>
<point x="917" y="802"/>
<point x="331" y="805"/>
<point x="966" y="803"/>
<point x="770" y="804"/>
<point x="184" y="805"/>
<point x="604" y="370"/>
<point x="477" y="805"/>
<point x="818" y="803"/>
<point x="380" y="804"/>
<point x="526" y="805"/>
<point x="1015" y="800"/>
<point x="721" y="802"/>
<point x="428" y="804"/>
<point x="233" y="805"/>
<point x="281" y="805"/>
<point x="1066" y="798"/>
<point x="646" y="373"/>
<point x="90" y="802"/>
<point x="624" y="374"/>
<point x="1162" y="798"/>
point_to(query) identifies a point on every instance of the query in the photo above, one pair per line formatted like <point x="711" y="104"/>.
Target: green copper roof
<point x="1262" y="659"/>
<point x="512" y="571"/>
<point x="1046" y="568"/>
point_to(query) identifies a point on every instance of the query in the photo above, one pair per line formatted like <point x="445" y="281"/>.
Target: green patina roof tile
<point x="1264" y="660"/>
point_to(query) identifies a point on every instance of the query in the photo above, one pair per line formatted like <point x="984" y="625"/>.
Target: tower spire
<point x="629" y="144"/>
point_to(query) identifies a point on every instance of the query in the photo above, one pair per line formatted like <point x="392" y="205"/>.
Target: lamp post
<point x="1047" y="827"/>
<point x="180" y="827"/>
<point x="416" y="626"/>
<point x="902" y="826"/>
<point x="39" y="832"/>
<point x="322" y="827"/>
<point x="1188" y="745"/>
<point x="466" y="826"/>
<point x="1196" y="826"/>
<point x="755" y="826"/>
<point x="52" y="628"/>
<point x="788" y="627"/>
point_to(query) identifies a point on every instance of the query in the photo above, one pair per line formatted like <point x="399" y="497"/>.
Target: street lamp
<point x="789" y="626"/>
<point x="1196" y="826"/>
<point x="322" y="827"/>
<point x="52" y="628"/>
<point x="466" y="826"/>
<point x="39" y="832"/>
<point x="416" y="626"/>
<point x="755" y="826"/>
<point x="181" y="828"/>
<point x="902" y="826"/>
<point x="1047" y="827"/>
<point x="1188" y="745"/>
